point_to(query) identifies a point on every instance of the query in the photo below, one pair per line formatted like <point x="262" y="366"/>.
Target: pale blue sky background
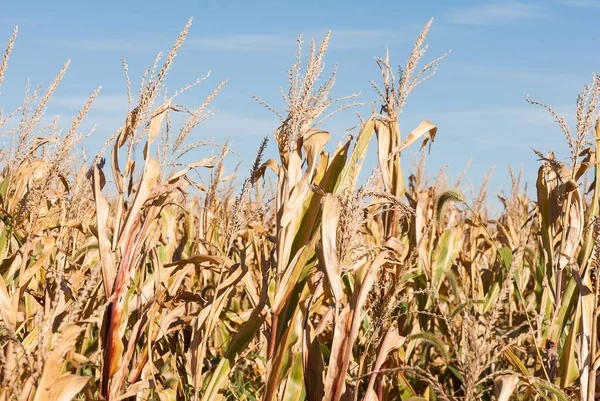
<point x="501" y="51"/>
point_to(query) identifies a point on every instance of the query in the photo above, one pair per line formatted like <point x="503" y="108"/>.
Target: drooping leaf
<point x="425" y="127"/>
<point x="329" y="230"/>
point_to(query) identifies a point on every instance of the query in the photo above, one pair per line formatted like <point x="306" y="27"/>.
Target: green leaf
<point x="506" y="256"/>
<point x="446" y="251"/>
<point x="515" y="361"/>
<point x="491" y="297"/>
<point x="456" y="372"/>
<point x="247" y="332"/>
<point x="4" y="185"/>
<point x="294" y="386"/>
<point x="568" y="370"/>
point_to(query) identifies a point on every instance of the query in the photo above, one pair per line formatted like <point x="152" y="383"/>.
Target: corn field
<point x="124" y="278"/>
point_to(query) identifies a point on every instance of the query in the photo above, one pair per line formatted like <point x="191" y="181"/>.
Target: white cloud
<point x="231" y="42"/>
<point x="497" y="13"/>
<point x="106" y="103"/>
<point x="580" y="3"/>
<point x="241" y="42"/>
<point x="500" y="127"/>
<point x="100" y="44"/>
<point x="11" y="21"/>
<point x="340" y="39"/>
<point x="229" y="124"/>
<point x="509" y="73"/>
<point x="530" y="115"/>
<point x="113" y="108"/>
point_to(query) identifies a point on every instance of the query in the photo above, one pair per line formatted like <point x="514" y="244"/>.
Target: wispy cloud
<point x="229" y="42"/>
<point x="100" y="44"/>
<point x="491" y="127"/>
<point x="510" y="73"/>
<point x="105" y="103"/>
<point x="497" y="13"/>
<point x="347" y="39"/>
<point x="580" y="3"/>
<point x="242" y="42"/>
<point x="224" y="43"/>
<point x="114" y="108"/>
<point x="234" y="124"/>
<point x="11" y="21"/>
<point x="529" y="115"/>
<point x="286" y="41"/>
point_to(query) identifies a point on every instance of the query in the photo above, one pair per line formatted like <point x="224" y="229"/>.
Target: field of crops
<point x="123" y="278"/>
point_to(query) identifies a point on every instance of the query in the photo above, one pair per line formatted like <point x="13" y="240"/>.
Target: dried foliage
<point x="314" y="288"/>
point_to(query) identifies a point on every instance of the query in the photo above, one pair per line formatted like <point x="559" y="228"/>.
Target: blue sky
<point x="501" y="51"/>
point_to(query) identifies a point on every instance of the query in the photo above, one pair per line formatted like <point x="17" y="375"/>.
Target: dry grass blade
<point x="54" y="385"/>
<point x="330" y="257"/>
<point x="305" y="284"/>
<point x="504" y="386"/>
<point x="102" y="213"/>
<point x="425" y="127"/>
<point x="346" y="330"/>
<point x="391" y="341"/>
